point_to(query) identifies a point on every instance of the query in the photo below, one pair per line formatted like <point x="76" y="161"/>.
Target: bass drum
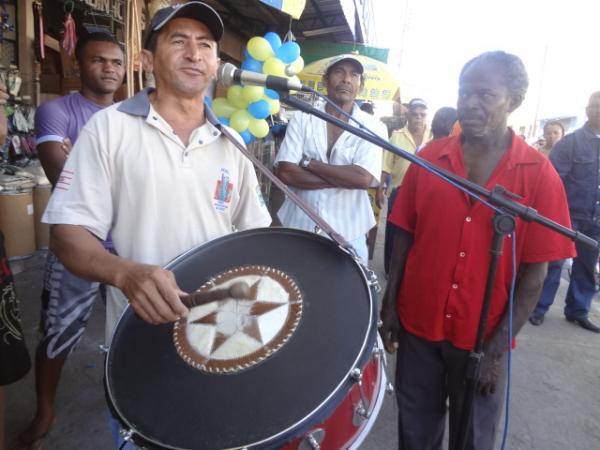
<point x="254" y="373"/>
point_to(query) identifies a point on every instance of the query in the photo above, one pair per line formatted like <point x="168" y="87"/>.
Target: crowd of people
<point x="123" y="172"/>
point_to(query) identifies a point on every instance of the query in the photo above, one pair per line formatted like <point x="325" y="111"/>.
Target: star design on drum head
<point x="237" y="316"/>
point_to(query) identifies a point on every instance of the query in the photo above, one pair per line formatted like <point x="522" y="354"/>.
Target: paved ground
<point x="555" y="397"/>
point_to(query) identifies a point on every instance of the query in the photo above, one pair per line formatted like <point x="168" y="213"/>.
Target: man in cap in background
<point x="410" y="138"/>
<point x="146" y="171"/>
<point x="329" y="168"/>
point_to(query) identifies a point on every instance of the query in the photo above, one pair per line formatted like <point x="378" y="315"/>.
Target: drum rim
<point x="334" y="392"/>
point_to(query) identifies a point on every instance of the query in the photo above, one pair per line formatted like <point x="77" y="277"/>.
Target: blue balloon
<point x="288" y="52"/>
<point x="246" y="53"/>
<point x="273" y="39"/>
<point x="272" y="94"/>
<point x="259" y="109"/>
<point x="224" y="120"/>
<point x="246" y="136"/>
<point x="252" y="65"/>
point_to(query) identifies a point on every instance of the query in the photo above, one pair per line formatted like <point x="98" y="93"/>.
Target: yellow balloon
<point x="274" y="66"/>
<point x="298" y="65"/>
<point x="259" y="48"/>
<point x="274" y="105"/>
<point x="222" y="107"/>
<point x="258" y="128"/>
<point x="240" y="120"/>
<point x="234" y="95"/>
<point x="253" y="93"/>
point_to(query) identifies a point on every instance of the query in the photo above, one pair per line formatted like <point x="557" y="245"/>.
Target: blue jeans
<point x="582" y="286"/>
<point x="115" y="429"/>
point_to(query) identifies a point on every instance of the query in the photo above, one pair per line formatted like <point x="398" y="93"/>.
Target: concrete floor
<point x="555" y="391"/>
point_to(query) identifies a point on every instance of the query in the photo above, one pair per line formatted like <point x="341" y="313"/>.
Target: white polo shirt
<point x="130" y="174"/>
<point x="347" y="211"/>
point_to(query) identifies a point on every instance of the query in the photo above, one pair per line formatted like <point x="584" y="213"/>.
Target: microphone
<point x="228" y="74"/>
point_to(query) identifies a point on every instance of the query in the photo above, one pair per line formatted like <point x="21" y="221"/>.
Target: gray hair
<point x="511" y="67"/>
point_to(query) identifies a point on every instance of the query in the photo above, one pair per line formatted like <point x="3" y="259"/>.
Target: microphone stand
<point x="503" y="224"/>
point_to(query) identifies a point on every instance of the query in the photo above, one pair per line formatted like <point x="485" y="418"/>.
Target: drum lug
<point x="373" y="281"/>
<point x="379" y="354"/>
<point x="312" y="441"/>
<point x="361" y="411"/>
<point x="126" y="435"/>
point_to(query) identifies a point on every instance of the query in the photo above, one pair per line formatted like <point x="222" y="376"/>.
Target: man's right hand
<point x="390" y="326"/>
<point x="152" y="293"/>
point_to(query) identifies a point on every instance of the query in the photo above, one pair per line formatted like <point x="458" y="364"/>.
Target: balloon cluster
<point x="246" y="107"/>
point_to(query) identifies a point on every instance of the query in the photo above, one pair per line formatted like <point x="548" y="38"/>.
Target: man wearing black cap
<point x="411" y="138"/>
<point x="331" y="169"/>
<point x="164" y="178"/>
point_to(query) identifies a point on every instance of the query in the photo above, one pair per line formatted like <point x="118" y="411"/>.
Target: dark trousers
<point x="582" y="285"/>
<point x="427" y="375"/>
<point x="389" y="233"/>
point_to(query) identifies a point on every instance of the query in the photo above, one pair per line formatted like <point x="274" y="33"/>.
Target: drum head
<point x="171" y="404"/>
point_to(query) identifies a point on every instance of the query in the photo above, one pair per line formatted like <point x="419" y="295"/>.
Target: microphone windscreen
<point x="225" y="74"/>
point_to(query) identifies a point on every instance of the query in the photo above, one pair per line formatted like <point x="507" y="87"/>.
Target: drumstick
<point x="237" y="290"/>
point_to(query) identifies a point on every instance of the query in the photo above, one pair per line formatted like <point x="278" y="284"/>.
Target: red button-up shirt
<point x="442" y="289"/>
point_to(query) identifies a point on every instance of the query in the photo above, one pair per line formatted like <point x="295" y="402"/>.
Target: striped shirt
<point x="347" y="211"/>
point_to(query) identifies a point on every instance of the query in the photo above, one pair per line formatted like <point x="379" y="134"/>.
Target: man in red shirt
<point x="439" y="264"/>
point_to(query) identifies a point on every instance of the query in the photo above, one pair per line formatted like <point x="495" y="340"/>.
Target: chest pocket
<point x="583" y="168"/>
<point x="342" y="154"/>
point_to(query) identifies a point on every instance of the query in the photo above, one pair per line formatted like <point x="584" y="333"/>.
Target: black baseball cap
<point x="192" y="10"/>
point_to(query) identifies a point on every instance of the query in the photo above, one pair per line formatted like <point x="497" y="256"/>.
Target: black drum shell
<point x="169" y="404"/>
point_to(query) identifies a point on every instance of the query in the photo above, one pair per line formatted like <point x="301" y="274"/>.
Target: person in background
<point x="67" y="299"/>
<point x="438" y="273"/>
<point x="411" y="138"/>
<point x="443" y="121"/>
<point x="329" y="168"/>
<point x="553" y="132"/>
<point x="14" y="358"/>
<point x="396" y="121"/>
<point x="576" y="158"/>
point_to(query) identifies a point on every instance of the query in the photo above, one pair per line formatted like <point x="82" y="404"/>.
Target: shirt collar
<point x="139" y="105"/>
<point x="587" y="131"/>
<point x="516" y="154"/>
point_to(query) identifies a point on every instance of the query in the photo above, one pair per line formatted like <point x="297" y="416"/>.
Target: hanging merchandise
<point x="69" y="39"/>
<point x="5" y="25"/>
<point x="38" y="21"/>
<point x="133" y="44"/>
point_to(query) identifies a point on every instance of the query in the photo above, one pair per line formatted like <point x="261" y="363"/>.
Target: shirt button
<point x="468" y="219"/>
<point x="455" y="286"/>
<point x="462" y="254"/>
<point x="448" y="316"/>
<point x="185" y="153"/>
<point x="200" y="142"/>
<point x="215" y="134"/>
